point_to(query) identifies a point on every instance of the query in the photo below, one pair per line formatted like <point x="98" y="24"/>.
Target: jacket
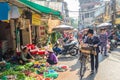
<point x="94" y="41"/>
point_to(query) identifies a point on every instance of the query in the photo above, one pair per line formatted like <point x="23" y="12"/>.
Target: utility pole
<point x="79" y="16"/>
<point x="113" y="6"/>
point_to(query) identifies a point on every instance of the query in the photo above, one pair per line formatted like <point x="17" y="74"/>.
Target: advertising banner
<point x="36" y="19"/>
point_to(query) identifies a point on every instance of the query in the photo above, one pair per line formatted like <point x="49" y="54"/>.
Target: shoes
<point x="109" y="51"/>
<point x="101" y="52"/>
<point x="96" y="70"/>
<point x="92" y="72"/>
<point x="106" y="55"/>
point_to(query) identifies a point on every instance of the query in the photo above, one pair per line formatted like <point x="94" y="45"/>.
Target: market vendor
<point x="52" y="58"/>
<point x="26" y="56"/>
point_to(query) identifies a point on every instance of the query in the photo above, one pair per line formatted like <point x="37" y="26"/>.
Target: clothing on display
<point x="28" y="15"/>
<point x="14" y="12"/>
<point x="4" y="10"/>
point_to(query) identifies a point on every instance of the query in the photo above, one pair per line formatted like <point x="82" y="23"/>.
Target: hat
<point x="50" y="50"/>
<point x="90" y="31"/>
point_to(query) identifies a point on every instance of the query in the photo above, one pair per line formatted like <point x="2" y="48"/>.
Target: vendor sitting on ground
<point x="52" y="58"/>
<point x="26" y="56"/>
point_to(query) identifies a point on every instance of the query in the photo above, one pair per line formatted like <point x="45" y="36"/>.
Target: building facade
<point x="87" y="11"/>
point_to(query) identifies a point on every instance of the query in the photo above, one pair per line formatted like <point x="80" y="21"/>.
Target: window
<point x="86" y="15"/>
<point x="92" y="14"/>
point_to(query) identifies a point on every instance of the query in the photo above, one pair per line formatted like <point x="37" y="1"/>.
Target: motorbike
<point x="118" y="40"/>
<point x="113" y="44"/>
<point x="69" y="48"/>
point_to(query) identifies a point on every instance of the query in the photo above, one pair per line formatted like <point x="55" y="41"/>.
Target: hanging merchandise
<point x="18" y="39"/>
<point x="52" y="24"/>
<point x="14" y="12"/>
<point x="4" y="9"/>
<point x="42" y="31"/>
<point x="27" y="14"/>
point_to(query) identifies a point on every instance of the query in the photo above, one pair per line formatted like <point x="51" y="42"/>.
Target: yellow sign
<point x="117" y="21"/>
<point x="36" y="19"/>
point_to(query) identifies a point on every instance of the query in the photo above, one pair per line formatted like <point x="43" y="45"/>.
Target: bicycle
<point x="83" y="61"/>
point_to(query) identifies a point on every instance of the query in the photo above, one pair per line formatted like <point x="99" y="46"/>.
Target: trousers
<point x="104" y="47"/>
<point x="94" y="61"/>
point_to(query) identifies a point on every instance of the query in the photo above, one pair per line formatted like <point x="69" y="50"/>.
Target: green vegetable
<point x="19" y="68"/>
<point x="20" y="76"/>
<point x="29" y="64"/>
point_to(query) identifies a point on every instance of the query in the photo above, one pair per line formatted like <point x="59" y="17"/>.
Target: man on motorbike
<point x="93" y="40"/>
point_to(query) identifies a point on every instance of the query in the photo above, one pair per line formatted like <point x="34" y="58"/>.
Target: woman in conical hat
<point x="52" y="58"/>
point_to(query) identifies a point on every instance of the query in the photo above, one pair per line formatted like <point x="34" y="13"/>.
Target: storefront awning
<point x="39" y="8"/>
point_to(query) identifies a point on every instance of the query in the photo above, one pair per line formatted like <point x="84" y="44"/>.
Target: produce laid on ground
<point x="39" y="70"/>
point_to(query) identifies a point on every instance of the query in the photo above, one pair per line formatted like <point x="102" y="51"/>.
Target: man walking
<point x="103" y="40"/>
<point x="93" y="40"/>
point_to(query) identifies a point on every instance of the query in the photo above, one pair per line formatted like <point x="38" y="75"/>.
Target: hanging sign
<point x="36" y="19"/>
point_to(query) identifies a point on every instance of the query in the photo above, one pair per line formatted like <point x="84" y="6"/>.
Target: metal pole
<point x="113" y="12"/>
<point x="79" y="16"/>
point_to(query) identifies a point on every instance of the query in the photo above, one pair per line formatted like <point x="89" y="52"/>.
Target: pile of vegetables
<point x="29" y="71"/>
<point x="20" y="76"/>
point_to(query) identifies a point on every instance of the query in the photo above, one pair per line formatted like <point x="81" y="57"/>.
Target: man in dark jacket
<point x="93" y="40"/>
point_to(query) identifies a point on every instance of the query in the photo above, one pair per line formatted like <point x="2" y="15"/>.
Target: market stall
<point x="38" y="70"/>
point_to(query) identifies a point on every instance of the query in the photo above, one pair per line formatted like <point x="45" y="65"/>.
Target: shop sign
<point x="117" y="21"/>
<point x="36" y="19"/>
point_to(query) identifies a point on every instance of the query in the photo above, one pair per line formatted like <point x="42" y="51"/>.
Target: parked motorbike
<point x="113" y="44"/>
<point x="69" y="48"/>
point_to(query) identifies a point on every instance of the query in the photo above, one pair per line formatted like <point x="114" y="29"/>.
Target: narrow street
<point x="108" y="68"/>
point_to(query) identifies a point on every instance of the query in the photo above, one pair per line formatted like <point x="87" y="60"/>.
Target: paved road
<point x="109" y="68"/>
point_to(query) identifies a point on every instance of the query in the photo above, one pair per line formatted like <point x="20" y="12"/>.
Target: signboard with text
<point x="36" y="19"/>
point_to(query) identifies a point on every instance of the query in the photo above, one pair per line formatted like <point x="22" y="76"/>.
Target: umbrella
<point x="104" y="24"/>
<point x="63" y="27"/>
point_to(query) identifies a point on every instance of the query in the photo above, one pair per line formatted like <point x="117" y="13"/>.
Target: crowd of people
<point x="100" y="43"/>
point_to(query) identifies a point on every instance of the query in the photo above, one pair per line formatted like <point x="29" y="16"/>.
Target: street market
<point x="47" y="40"/>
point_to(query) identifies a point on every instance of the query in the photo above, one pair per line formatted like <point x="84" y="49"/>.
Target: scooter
<point x="113" y="44"/>
<point x="69" y="48"/>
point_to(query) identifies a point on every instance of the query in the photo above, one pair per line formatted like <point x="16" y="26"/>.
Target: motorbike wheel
<point x="74" y="52"/>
